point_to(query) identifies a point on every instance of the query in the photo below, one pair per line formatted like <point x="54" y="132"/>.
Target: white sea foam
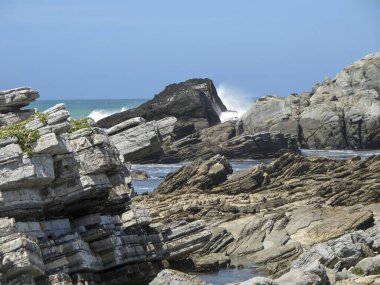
<point x="96" y="115"/>
<point x="236" y="100"/>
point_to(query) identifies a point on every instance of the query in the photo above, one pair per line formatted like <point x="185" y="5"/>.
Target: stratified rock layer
<point x="157" y="141"/>
<point x="339" y="113"/>
<point x="11" y="102"/>
<point x="65" y="215"/>
<point x="270" y="214"/>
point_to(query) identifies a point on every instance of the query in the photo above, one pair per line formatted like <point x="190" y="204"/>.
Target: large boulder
<point x="339" y="113"/>
<point x="193" y="101"/>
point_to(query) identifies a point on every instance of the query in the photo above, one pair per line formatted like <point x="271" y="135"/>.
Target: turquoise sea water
<point x="95" y="109"/>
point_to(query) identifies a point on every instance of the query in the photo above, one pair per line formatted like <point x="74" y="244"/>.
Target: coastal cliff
<point x="65" y="212"/>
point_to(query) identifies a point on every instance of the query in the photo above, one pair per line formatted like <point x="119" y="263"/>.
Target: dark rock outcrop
<point x="340" y="113"/>
<point x="195" y="101"/>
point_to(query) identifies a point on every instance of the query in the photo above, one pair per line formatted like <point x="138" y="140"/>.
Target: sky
<point x="95" y="49"/>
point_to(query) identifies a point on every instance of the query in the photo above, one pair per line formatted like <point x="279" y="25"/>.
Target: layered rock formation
<point x="194" y="101"/>
<point x="11" y="102"/>
<point x="65" y="214"/>
<point x="157" y="141"/>
<point x="340" y="113"/>
<point x="271" y="214"/>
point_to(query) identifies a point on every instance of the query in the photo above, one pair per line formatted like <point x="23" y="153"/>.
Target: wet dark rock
<point x="193" y="101"/>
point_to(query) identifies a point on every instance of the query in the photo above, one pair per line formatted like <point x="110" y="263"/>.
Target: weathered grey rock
<point x="269" y="215"/>
<point x="139" y="175"/>
<point x="125" y="125"/>
<point x="69" y="214"/>
<point x="136" y="217"/>
<point x="14" y="99"/>
<point x="143" y="143"/>
<point x="369" y="264"/>
<point x="173" y="277"/>
<point x="299" y="277"/>
<point x="361" y="280"/>
<point x="258" y="281"/>
<point x="19" y="170"/>
<point x="198" y="175"/>
<point x="194" y="100"/>
<point x="222" y="139"/>
<point x="51" y="144"/>
<point x="210" y="262"/>
<point x="15" y="117"/>
<point x="339" y="113"/>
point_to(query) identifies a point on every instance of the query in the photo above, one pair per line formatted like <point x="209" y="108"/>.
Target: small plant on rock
<point x="25" y="137"/>
<point x="77" y="124"/>
<point x="376" y="271"/>
<point x="357" y="271"/>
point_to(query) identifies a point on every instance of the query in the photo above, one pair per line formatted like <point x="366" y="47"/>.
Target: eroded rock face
<point x="194" y="100"/>
<point x="339" y="113"/>
<point x="143" y="143"/>
<point x="65" y="214"/>
<point x="268" y="215"/>
<point x="11" y="102"/>
<point x="222" y="139"/>
<point x="161" y="142"/>
<point x="15" y="99"/>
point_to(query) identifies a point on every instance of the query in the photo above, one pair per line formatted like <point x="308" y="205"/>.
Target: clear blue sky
<point x="72" y="49"/>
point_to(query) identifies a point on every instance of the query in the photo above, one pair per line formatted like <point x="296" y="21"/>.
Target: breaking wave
<point x="237" y="102"/>
<point x="96" y="115"/>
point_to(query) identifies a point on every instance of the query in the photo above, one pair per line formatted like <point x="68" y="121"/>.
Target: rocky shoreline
<point x="69" y="214"/>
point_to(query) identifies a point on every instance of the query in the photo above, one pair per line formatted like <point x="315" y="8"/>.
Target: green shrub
<point x="77" y="124"/>
<point x="376" y="270"/>
<point x="357" y="271"/>
<point x="25" y="137"/>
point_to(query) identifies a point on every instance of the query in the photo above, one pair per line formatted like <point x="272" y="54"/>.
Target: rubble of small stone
<point x="297" y="218"/>
<point x="343" y="112"/>
<point x="65" y="208"/>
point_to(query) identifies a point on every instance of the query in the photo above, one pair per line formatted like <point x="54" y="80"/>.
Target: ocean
<point x="96" y="108"/>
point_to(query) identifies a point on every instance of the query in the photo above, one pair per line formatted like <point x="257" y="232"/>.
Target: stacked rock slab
<point x="138" y="141"/>
<point x="11" y="102"/>
<point x="155" y="141"/>
<point x="340" y="113"/>
<point x="65" y="215"/>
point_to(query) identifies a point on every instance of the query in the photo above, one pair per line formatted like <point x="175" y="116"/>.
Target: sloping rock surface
<point x="340" y="113"/>
<point x="270" y="214"/>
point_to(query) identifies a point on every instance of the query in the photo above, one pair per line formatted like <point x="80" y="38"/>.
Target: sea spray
<point x="236" y="101"/>
<point x="96" y="115"/>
